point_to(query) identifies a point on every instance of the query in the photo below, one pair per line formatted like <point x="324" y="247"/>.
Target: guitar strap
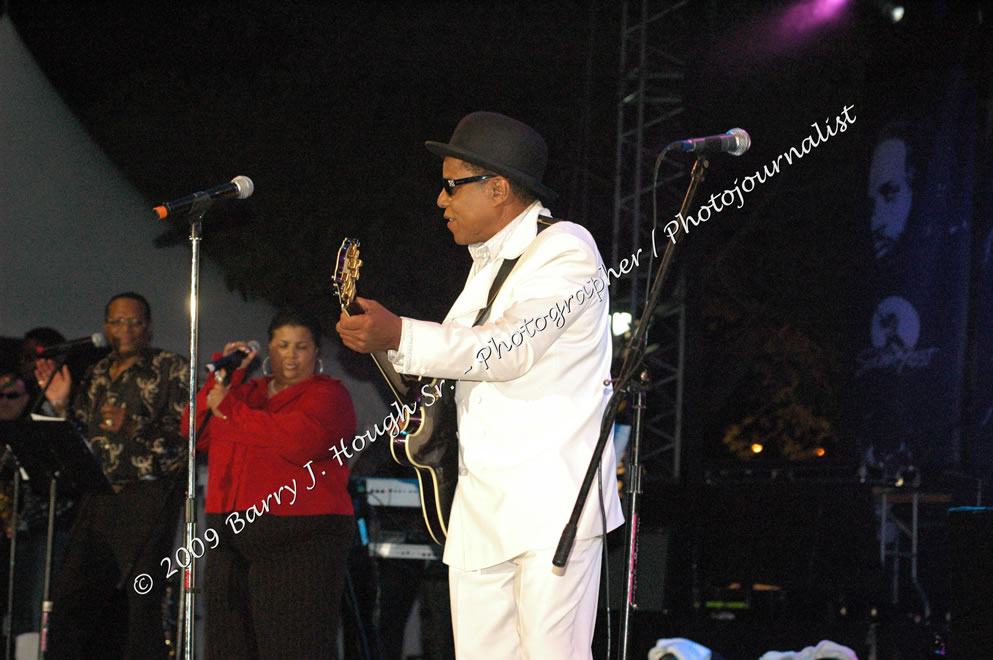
<point x="445" y="452"/>
<point x="544" y="222"/>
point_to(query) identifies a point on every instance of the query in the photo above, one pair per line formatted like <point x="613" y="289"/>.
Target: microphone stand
<point x="14" y="522"/>
<point x="185" y="635"/>
<point x="47" y="605"/>
<point x="634" y="472"/>
<point x="634" y="355"/>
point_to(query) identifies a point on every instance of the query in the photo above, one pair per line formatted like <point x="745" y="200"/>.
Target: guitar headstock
<point x="346" y="272"/>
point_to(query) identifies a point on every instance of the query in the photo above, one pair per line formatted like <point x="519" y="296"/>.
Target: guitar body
<point x="425" y="437"/>
<point x="430" y="446"/>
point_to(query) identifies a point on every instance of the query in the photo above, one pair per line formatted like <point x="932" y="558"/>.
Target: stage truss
<point x="650" y="111"/>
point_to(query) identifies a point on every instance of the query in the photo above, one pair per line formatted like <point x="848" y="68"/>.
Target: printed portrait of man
<point x="891" y="177"/>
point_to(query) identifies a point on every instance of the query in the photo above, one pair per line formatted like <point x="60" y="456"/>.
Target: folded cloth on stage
<point x="825" y="649"/>
<point x="680" y="649"/>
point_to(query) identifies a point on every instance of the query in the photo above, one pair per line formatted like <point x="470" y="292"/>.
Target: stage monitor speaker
<point x="653" y="552"/>
<point x="970" y="535"/>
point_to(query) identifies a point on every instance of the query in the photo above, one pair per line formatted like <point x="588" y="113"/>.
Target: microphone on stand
<point x="96" y="339"/>
<point x="239" y="187"/>
<point x="735" y="142"/>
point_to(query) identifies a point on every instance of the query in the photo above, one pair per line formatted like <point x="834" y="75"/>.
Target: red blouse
<point x="258" y="456"/>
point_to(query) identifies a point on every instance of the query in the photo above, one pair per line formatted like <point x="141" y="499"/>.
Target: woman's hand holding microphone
<point x="220" y="389"/>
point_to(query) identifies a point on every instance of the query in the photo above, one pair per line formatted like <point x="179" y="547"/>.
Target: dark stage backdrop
<point x="980" y="451"/>
<point x="831" y="310"/>
<point x="911" y="307"/>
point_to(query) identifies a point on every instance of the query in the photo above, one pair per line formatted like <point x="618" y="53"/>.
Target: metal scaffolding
<point x="650" y="109"/>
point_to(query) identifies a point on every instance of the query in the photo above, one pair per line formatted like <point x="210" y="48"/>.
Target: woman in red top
<point x="277" y="499"/>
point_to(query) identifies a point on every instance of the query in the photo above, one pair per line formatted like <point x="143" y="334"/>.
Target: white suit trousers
<point x="521" y="609"/>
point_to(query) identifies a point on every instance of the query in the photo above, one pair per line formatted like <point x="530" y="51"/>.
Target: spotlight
<point x="620" y="323"/>
<point x="757" y="448"/>
<point x="891" y="10"/>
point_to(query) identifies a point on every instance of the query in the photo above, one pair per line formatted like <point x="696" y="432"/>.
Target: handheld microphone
<point x="231" y="361"/>
<point x="735" y="142"/>
<point x="96" y="339"/>
<point x="240" y="187"/>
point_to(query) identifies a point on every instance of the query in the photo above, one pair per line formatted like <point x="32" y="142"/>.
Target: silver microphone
<point x="735" y="142"/>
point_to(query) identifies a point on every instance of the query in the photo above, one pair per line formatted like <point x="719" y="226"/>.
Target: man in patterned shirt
<point x="130" y="407"/>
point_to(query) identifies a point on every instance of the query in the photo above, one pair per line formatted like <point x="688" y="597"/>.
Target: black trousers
<point x="273" y="590"/>
<point x="115" y="538"/>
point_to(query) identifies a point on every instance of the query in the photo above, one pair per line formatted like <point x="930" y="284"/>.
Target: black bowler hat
<point x="502" y="145"/>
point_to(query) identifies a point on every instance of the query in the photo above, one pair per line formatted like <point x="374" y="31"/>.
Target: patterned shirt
<point x="153" y="391"/>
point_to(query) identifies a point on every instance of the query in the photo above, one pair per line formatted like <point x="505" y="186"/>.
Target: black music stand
<point x="56" y="458"/>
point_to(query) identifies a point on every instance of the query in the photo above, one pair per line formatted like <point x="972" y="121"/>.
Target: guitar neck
<point x="395" y="381"/>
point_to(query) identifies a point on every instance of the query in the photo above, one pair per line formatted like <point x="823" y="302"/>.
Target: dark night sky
<point x="326" y="107"/>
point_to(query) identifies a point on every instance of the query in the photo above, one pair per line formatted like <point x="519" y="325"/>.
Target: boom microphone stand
<point x="624" y="385"/>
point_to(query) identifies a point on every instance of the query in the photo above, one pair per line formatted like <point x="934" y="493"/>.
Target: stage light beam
<point x="807" y="16"/>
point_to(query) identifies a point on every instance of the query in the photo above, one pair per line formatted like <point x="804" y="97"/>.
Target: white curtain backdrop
<point x="74" y="232"/>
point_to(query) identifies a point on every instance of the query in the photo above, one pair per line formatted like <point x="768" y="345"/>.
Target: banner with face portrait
<point x="910" y="320"/>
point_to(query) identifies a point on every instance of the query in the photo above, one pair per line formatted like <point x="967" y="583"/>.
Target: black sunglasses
<point x="12" y="395"/>
<point x="450" y="184"/>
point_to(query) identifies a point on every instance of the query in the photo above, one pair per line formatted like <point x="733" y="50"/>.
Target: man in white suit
<point x="532" y="389"/>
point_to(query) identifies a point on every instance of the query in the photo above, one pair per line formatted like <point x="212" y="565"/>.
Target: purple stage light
<point x="793" y="28"/>
<point x="808" y="15"/>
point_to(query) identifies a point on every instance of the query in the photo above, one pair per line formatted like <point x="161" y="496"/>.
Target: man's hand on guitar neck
<point x="375" y="329"/>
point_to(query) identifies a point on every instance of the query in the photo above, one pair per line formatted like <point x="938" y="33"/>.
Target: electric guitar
<point x="424" y="436"/>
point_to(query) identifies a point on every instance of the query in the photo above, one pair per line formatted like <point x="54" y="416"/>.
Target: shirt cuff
<point x="400" y="358"/>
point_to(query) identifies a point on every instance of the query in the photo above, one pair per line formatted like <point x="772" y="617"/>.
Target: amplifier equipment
<point x="970" y="541"/>
<point x="389" y="518"/>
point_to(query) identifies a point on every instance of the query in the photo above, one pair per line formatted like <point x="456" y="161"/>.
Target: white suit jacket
<point x="530" y="397"/>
